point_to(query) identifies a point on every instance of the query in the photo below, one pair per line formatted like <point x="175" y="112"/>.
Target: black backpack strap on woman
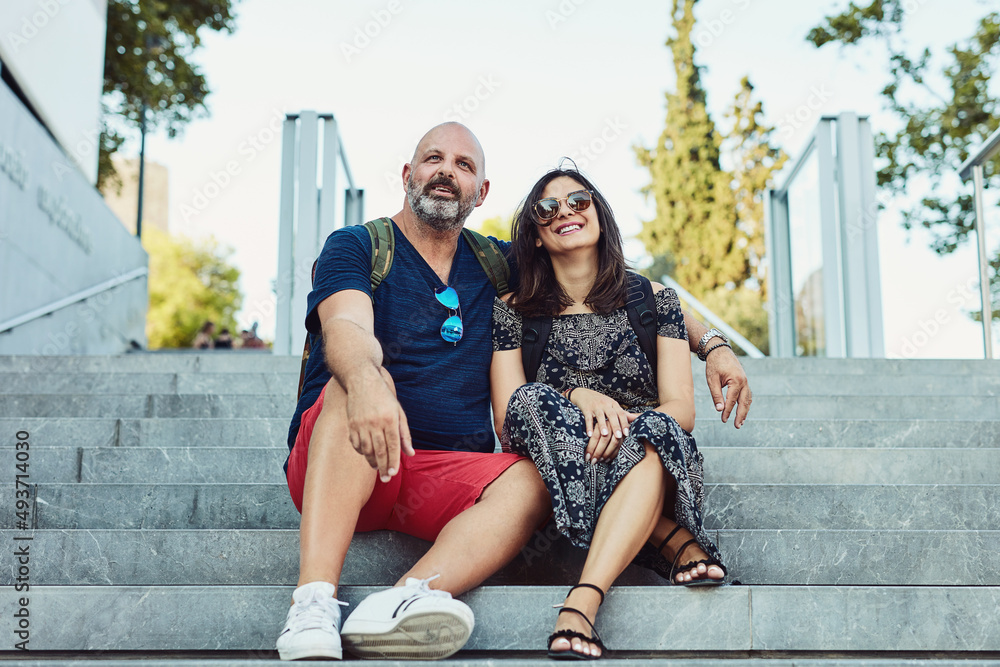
<point x="640" y="305"/>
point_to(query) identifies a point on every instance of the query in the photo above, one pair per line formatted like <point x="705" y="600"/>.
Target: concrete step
<point x="780" y="618"/>
<point x="266" y="658"/>
<point x="165" y="362"/>
<point x="281" y="405"/>
<point x="723" y="465"/>
<point x="153" y="432"/>
<point x="868" y="367"/>
<point x="149" y="383"/>
<point x="154" y="557"/>
<point x="851" y="465"/>
<point x="709" y="431"/>
<point x="287" y="382"/>
<point x="788" y="506"/>
<point x="264" y="362"/>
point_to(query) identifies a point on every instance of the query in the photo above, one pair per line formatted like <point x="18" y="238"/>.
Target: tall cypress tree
<point x="708" y="229"/>
<point x="694" y="224"/>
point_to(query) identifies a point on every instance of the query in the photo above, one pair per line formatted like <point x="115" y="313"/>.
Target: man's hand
<point x="377" y="423"/>
<point x="723" y="369"/>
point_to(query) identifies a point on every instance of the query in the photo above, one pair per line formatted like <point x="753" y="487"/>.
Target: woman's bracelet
<point x="568" y="393"/>
<point x="709" y="350"/>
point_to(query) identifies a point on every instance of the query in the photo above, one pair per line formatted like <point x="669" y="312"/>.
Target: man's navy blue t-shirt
<point x="442" y="387"/>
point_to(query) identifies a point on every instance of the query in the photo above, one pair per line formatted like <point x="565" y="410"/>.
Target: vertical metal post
<point x="984" y="278"/>
<point x="870" y="209"/>
<point x="306" y="223"/>
<point x="142" y="170"/>
<point x="283" y="286"/>
<point x="328" y="193"/>
<point x="781" y="300"/>
<point x="359" y="207"/>
<point x="858" y="238"/>
<point x="829" y="233"/>
<point x="851" y="221"/>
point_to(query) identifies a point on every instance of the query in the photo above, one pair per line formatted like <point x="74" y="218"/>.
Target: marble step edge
<point x="264" y="383"/>
<point x="764" y="618"/>
<point x="818" y="465"/>
<point x="237" y="361"/>
<point x="755" y="557"/>
<point x="237" y="405"/>
<point x="264" y="658"/>
<point x="259" y="505"/>
<point x="709" y="430"/>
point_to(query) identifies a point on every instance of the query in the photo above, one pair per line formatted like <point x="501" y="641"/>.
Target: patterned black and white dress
<point x="601" y="353"/>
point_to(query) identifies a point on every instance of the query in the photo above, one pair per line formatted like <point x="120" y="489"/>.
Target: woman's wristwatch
<point x="710" y="334"/>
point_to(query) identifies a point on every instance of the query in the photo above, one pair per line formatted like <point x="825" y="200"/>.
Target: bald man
<point x="393" y="428"/>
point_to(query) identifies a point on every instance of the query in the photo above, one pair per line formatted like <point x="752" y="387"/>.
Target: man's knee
<point x="330" y="430"/>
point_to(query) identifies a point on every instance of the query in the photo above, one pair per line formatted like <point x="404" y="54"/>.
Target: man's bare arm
<point x="722" y="369"/>
<point x="377" y="424"/>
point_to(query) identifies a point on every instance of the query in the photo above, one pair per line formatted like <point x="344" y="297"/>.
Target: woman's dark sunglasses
<point x="547" y="209"/>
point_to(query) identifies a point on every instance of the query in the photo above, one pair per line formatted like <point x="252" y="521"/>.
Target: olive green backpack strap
<point x="383" y="247"/>
<point x="491" y="259"/>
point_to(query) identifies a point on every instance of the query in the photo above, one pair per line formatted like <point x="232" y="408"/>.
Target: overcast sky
<point x="535" y="80"/>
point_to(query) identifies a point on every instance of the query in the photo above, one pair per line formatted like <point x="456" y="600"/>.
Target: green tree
<point x="708" y="229"/>
<point x="694" y="200"/>
<point x="945" y="108"/>
<point x="497" y="226"/>
<point x="189" y="283"/>
<point x="754" y="163"/>
<point x="147" y="63"/>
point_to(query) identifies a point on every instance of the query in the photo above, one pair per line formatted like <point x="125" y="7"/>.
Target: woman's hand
<point x="606" y="423"/>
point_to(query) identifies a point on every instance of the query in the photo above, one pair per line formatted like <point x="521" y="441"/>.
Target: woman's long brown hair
<point x="538" y="293"/>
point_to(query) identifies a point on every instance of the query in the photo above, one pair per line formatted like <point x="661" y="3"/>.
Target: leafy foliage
<point x="708" y="229"/>
<point x="189" y="284"/>
<point x="944" y="115"/>
<point x="497" y="226"/>
<point x="147" y="62"/>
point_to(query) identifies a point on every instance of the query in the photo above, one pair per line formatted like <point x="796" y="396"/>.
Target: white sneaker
<point x="408" y="622"/>
<point x="312" y="629"/>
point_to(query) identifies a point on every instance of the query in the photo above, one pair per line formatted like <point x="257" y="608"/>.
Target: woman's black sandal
<point x="570" y="654"/>
<point x="705" y="581"/>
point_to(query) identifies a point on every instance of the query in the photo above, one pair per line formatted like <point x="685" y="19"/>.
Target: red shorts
<point x="431" y="488"/>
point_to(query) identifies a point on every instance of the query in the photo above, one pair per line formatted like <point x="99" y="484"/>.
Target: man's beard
<point x="443" y="215"/>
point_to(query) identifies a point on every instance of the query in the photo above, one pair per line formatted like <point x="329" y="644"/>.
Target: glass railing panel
<point x="805" y="238"/>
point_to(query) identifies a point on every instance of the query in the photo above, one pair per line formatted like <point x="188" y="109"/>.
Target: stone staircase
<point x="859" y="506"/>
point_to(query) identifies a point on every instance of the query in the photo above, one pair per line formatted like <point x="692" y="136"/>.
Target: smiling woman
<point x="607" y="427"/>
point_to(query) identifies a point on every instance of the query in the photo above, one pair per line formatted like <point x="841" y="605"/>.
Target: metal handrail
<point x="984" y="153"/>
<point x="716" y="321"/>
<point x="354" y="190"/>
<point x="71" y="299"/>
<point x="974" y="167"/>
